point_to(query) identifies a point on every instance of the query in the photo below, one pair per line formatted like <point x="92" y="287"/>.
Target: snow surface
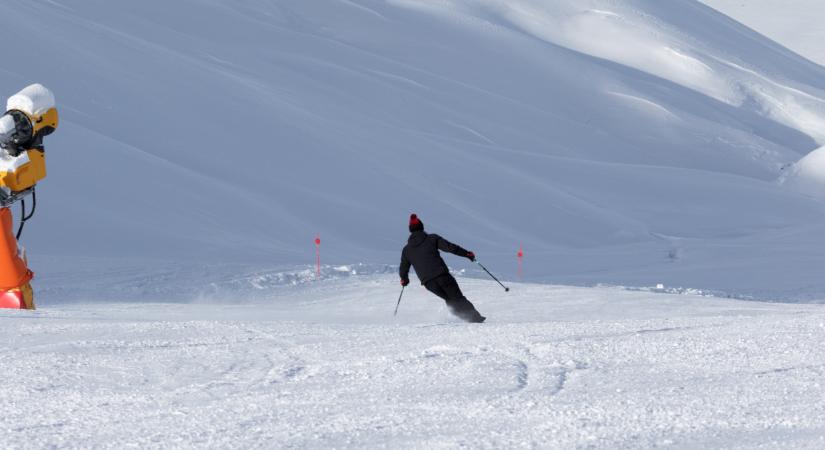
<point x="33" y="100"/>
<point x="625" y="144"/>
<point x="632" y="142"/>
<point x="6" y="127"/>
<point x="808" y="175"/>
<point x="796" y="24"/>
<point x="10" y="163"/>
<point x="325" y="365"/>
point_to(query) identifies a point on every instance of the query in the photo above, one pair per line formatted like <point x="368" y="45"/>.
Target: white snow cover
<point x="633" y="143"/>
<point x="796" y="25"/>
<point x="626" y="142"/>
<point x="6" y="125"/>
<point x="10" y="163"/>
<point x="808" y="175"/>
<point x="326" y="366"/>
<point x="33" y="100"/>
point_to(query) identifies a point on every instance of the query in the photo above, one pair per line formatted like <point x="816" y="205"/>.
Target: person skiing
<point x="421" y="252"/>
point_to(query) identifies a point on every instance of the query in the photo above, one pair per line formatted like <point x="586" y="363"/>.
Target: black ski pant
<point x="446" y="287"/>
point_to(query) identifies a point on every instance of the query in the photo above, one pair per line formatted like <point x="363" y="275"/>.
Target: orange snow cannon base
<point x="15" y="290"/>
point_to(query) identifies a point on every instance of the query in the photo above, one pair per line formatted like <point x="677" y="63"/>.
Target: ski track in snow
<point x="550" y="112"/>
<point x="326" y="365"/>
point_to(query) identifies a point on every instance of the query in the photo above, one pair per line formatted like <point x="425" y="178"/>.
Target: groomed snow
<point x="326" y="365"/>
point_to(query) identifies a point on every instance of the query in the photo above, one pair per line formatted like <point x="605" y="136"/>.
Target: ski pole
<point x="399" y="301"/>
<point x="506" y="289"/>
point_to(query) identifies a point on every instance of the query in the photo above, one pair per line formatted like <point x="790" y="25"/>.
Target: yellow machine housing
<point x="30" y="166"/>
<point x="46" y="121"/>
<point x="26" y="175"/>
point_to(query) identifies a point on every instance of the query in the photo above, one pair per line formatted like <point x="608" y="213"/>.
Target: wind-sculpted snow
<point x="799" y="28"/>
<point x="327" y="366"/>
<point x="808" y="175"/>
<point x="660" y="40"/>
<point x="625" y="142"/>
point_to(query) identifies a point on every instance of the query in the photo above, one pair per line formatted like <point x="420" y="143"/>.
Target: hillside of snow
<point x="633" y="143"/>
<point x="796" y="25"/>
<point x="808" y="175"/>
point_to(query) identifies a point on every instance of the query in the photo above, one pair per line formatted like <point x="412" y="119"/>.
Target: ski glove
<point x="404" y="282"/>
<point x="471" y="256"/>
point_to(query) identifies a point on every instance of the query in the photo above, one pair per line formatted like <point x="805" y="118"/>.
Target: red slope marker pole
<point x="520" y="255"/>
<point x="317" y="256"/>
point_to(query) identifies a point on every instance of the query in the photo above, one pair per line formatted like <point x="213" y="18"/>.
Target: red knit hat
<point x="416" y="224"/>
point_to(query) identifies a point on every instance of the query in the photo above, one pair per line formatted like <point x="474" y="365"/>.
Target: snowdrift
<point x="808" y="175"/>
<point x="631" y="142"/>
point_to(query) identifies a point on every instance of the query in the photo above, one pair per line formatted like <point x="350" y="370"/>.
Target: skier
<point x="421" y="252"/>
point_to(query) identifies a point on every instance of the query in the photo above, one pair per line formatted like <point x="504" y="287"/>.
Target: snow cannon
<point x="30" y="116"/>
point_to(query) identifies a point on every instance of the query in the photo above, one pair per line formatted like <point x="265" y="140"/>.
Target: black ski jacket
<point x="422" y="252"/>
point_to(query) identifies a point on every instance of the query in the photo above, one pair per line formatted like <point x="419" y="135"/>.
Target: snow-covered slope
<point x="808" y="175"/>
<point x="326" y="366"/>
<point x="796" y="24"/>
<point x="628" y="142"/>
